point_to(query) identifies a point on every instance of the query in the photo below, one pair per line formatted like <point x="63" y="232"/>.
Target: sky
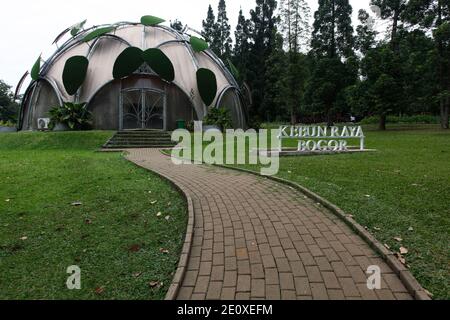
<point x="28" y="27"/>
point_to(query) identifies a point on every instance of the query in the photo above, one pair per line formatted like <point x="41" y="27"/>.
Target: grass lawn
<point x="114" y="236"/>
<point x="400" y="191"/>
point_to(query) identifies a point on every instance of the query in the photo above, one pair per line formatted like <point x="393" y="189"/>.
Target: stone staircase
<point x="135" y="139"/>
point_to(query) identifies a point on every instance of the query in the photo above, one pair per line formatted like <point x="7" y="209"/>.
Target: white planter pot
<point x="61" y="127"/>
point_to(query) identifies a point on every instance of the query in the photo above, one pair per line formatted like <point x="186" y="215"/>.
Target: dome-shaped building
<point x="124" y="93"/>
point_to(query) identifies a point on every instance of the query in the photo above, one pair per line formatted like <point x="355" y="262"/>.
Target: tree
<point x="295" y="28"/>
<point x="263" y="24"/>
<point x="221" y="34"/>
<point x="333" y="47"/>
<point x="177" y="25"/>
<point x="365" y="34"/>
<point x="208" y="28"/>
<point x="392" y="10"/>
<point x="434" y="16"/>
<point x="242" y="46"/>
<point x="333" y="32"/>
<point x="8" y="107"/>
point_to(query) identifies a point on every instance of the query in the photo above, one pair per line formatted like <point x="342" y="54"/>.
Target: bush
<point x="74" y="115"/>
<point x="417" y="119"/>
<point x="219" y="117"/>
<point x="8" y="124"/>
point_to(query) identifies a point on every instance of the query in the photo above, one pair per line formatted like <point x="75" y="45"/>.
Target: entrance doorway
<point x="142" y="109"/>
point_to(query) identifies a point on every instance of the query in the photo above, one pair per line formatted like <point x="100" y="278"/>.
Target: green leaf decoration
<point x="98" y="33"/>
<point x="36" y="69"/>
<point x="159" y="63"/>
<point x="233" y="69"/>
<point x="127" y="62"/>
<point x="207" y="85"/>
<point x="75" y="29"/>
<point x="74" y="73"/>
<point x="151" y="20"/>
<point x="198" y="44"/>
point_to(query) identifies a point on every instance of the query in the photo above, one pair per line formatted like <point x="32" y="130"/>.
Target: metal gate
<point x="142" y="109"/>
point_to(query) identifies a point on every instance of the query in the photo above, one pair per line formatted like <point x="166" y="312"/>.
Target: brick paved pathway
<point x="259" y="239"/>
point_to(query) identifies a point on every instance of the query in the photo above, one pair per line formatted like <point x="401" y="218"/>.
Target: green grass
<point x="41" y="175"/>
<point x="405" y="184"/>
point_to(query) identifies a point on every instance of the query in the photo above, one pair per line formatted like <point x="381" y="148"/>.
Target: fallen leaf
<point x="377" y="229"/>
<point x="8" y="200"/>
<point x="99" y="290"/>
<point x="387" y="246"/>
<point x="154" y="202"/>
<point x="24" y="238"/>
<point x="155" y="284"/>
<point x="137" y="274"/>
<point x="367" y="195"/>
<point x="429" y="293"/>
<point x="398" y="239"/>
<point x="77" y="204"/>
<point x="165" y="251"/>
<point x="168" y="218"/>
<point x="402" y="260"/>
<point x="88" y="221"/>
<point x="135" y="248"/>
<point x="410" y="229"/>
<point x="159" y="214"/>
<point x="403" y="251"/>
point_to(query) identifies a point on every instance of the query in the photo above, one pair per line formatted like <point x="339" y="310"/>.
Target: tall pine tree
<point x="209" y="26"/>
<point x="295" y="29"/>
<point x="263" y="21"/>
<point x="333" y="32"/>
<point x="242" y="46"/>
<point x="335" y="67"/>
<point x="221" y="35"/>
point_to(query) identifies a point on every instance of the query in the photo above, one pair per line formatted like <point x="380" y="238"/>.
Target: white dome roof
<point x="103" y="51"/>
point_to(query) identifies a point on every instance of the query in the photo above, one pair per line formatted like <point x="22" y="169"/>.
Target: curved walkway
<point x="258" y="239"/>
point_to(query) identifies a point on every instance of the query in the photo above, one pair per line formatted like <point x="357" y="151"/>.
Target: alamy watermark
<point x="74" y="280"/>
<point x="234" y="147"/>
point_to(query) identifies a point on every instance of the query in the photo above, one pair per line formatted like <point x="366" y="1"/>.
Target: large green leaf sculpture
<point x="207" y="85"/>
<point x="98" y="33"/>
<point x="75" y="29"/>
<point x="198" y="44"/>
<point x="233" y="69"/>
<point x="36" y="69"/>
<point x="74" y="73"/>
<point x="159" y="63"/>
<point x="151" y="20"/>
<point x="127" y="62"/>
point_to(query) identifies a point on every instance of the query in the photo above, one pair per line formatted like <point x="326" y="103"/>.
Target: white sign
<point x="323" y="138"/>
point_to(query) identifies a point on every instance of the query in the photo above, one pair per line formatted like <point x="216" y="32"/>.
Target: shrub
<point x="74" y="115"/>
<point x="219" y="117"/>
<point x="421" y="119"/>
<point x="8" y="124"/>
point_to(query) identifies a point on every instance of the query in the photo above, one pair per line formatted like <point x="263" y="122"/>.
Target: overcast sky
<point x="28" y="27"/>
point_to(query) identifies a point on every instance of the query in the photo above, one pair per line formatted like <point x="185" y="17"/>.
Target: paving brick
<point x="273" y="292"/>
<point x="258" y="288"/>
<point x="256" y="238"/>
<point x="243" y="283"/>
<point x="228" y="294"/>
<point x="319" y="292"/>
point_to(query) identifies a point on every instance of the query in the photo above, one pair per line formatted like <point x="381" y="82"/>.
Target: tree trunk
<point x="293" y="118"/>
<point x="445" y="110"/>
<point x="330" y="122"/>
<point x="394" y="42"/>
<point x="382" y="125"/>
<point x="333" y="32"/>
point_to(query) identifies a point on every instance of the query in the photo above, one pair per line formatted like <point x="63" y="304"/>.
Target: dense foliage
<point x="394" y="63"/>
